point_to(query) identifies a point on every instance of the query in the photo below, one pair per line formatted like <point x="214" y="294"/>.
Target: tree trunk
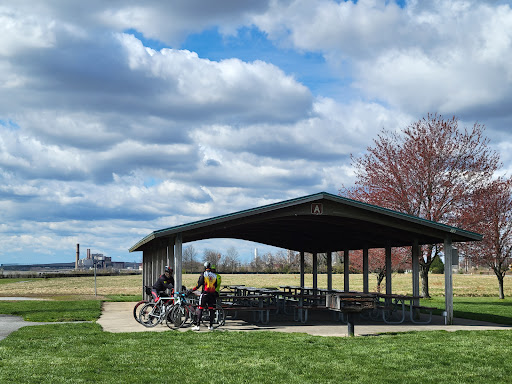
<point x="380" y="277"/>
<point x="500" y="280"/>
<point x="424" y="268"/>
<point x="500" y="277"/>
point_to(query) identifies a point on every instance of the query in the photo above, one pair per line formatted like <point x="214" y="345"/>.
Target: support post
<point x="145" y="269"/>
<point x="95" y="286"/>
<point x="365" y="271"/>
<point x="448" y="282"/>
<point x="178" y="245"/>
<point x="329" y="270"/>
<point x="346" y="271"/>
<point x="388" y="271"/>
<point x="302" y="269"/>
<point x="154" y="267"/>
<point x="416" y="271"/>
<point x="172" y="263"/>
<point x="162" y="258"/>
<point x="170" y="254"/>
<point x="350" y="323"/>
<point x="315" y="270"/>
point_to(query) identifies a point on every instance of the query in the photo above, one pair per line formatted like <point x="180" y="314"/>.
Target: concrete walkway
<point x="9" y="324"/>
<point x="118" y="317"/>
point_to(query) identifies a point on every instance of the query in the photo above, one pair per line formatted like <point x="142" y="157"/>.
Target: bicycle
<point x="182" y="311"/>
<point x="219" y="316"/>
<point x="138" y="306"/>
<point x="154" y="313"/>
<point x="185" y="311"/>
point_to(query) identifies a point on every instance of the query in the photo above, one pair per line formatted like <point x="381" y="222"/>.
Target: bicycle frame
<point x="184" y="307"/>
<point x="153" y="314"/>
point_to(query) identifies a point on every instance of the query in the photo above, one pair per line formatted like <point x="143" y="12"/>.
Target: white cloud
<point x="219" y="88"/>
<point x="352" y="29"/>
<point x="442" y="56"/>
<point x="21" y="32"/>
<point x="170" y="22"/>
<point x="103" y="139"/>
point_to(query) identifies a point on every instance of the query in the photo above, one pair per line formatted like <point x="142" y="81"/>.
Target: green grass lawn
<point x="83" y="353"/>
<point x="84" y="310"/>
<point x="17" y="280"/>
<point x="476" y="308"/>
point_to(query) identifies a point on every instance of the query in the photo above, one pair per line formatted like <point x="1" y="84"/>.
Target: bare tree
<point x="257" y="264"/>
<point x="190" y="262"/>
<point x="231" y="260"/>
<point x="211" y="256"/>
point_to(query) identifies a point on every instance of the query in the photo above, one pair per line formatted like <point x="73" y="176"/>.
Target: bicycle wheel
<point x="219" y="317"/>
<point x="150" y="315"/>
<point x="192" y="314"/>
<point x="137" y="308"/>
<point x="177" y="316"/>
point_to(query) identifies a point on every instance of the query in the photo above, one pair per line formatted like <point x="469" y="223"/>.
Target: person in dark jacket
<point x="164" y="282"/>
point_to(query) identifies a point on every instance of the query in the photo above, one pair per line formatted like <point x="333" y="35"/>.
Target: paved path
<point x="10" y="324"/>
<point x="118" y="317"/>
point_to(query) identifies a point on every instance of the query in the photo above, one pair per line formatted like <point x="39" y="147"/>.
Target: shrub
<point x="437" y="266"/>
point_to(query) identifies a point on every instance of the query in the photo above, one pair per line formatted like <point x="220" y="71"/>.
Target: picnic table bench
<point x="259" y="305"/>
<point x="393" y="303"/>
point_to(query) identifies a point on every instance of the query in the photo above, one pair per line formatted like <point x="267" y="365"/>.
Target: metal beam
<point x="388" y="271"/>
<point x="329" y="270"/>
<point x="415" y="254"/>
<point x="448" y="282"/>
<point x="178" y="252"/>
<point x="346" y="270"/>
<point x="365" y="270"/>
<point x="170" y="253"/>
<point x="145" y="271"/>
<point x="315" y="270"/>
<point x="302" y="269"/>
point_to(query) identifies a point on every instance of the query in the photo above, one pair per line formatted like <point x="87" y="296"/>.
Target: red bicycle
<point x="140" y="304"/>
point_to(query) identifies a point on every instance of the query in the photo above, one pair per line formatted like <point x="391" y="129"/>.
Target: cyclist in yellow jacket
<point x="208" y="298"/>
<point x="219" y="279"/>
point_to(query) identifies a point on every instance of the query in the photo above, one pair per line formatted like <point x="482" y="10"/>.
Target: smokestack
<point x="77" y="255"/>
<point x="88" y="254"/>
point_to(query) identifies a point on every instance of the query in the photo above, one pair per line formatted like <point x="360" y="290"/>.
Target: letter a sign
<point x="317" y="208"/>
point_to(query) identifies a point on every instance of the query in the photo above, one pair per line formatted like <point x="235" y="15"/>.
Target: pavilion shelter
<point x="318" y="223"/>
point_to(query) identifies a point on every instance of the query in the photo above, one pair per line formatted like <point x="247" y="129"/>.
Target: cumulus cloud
<point x="107" y="135"/>
<point x="231" y="87"/>
<point x="170" y="22"/>
<point x="21" y="32"/>
<point x="444" y="56"/>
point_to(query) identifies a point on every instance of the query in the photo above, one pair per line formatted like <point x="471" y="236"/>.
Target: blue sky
<point x="120" y="118"/>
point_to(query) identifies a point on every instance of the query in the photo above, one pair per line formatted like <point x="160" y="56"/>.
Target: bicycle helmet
<point x="207" y="265"/>
<point x="168" y="269"/>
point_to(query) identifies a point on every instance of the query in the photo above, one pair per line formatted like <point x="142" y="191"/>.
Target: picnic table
<point x="394" y="303"/>
<point x="260" y="305"/>
<point x="390" y="308"/>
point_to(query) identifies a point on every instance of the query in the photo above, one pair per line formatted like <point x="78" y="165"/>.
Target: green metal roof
<point x="290" y="224"/>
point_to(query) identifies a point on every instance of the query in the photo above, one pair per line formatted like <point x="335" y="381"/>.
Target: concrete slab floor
<point x="118" y="317"/>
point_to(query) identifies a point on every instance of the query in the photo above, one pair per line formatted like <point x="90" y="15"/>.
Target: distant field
<point x="83" y="287"/>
